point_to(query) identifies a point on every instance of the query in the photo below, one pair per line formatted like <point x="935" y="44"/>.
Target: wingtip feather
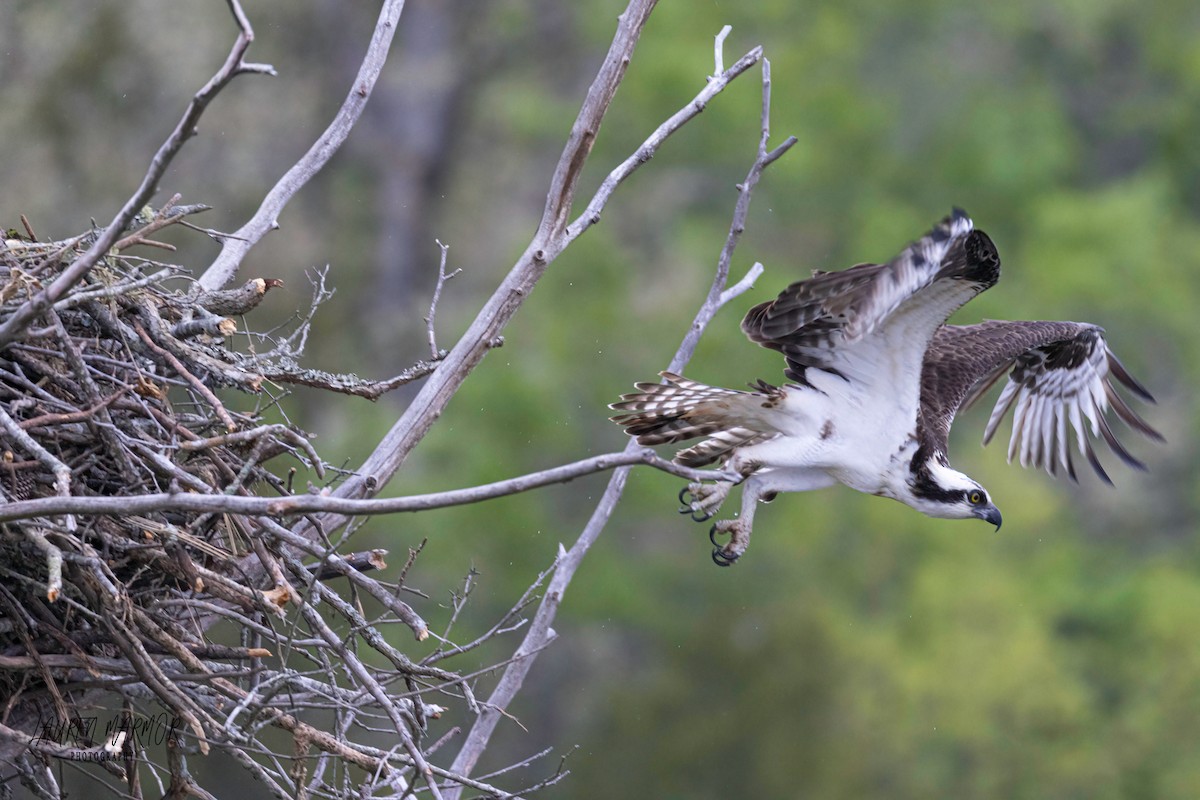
<point x="1122" y="374"/>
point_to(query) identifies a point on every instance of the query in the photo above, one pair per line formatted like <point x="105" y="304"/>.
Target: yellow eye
<point x="976" y="497"/>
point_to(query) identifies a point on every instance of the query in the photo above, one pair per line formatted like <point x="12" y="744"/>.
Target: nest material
<point x="113" y="393"/>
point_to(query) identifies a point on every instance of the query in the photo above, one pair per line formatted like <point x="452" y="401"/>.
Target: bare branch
<point x="266" y="219"/>
<point x="54" y="559"/>
<point x="719" y="50"/>
<point x="716" y="85"/>
<point x="552" y="236"/>
<point x="744" y="285"/>
<point x="196" y="502"/>
<point x="280" y="432"/>
<point x="360" y="562"/>
<point x="442" y="277"/>
<point x="184" y="373"/>
<point x="186" y="128"/>
<point x="62" y="486"/>
<point x="283" y="372"/>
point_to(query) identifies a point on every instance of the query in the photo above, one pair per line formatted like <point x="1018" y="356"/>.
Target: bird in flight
<point x="876" y="377"/>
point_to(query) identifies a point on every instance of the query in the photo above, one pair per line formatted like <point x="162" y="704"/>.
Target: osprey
<point x="877" y="377"/>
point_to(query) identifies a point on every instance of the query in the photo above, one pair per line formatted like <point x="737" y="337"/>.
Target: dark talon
<point x="720" y="559"/>
<point x="686" y="505"/>
<point x="712" y="537"/>
<point x="689" y="507"/>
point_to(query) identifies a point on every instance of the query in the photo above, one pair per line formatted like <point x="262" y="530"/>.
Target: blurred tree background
<point x="859" y="649"/>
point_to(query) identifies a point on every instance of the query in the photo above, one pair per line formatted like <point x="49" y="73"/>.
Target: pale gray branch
<point x="266" y="219"/>
<point x="716" y="85"/>
<point x="198" y="502"/>
<point x="442" y="277"/>
<point x="719" y="50"/>
<point x="744" y="285"/>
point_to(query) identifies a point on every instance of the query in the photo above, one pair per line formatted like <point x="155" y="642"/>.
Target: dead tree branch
<point x="540" y="631"/>
<point x="330" y="503"/>
<point x="552" y="236"/>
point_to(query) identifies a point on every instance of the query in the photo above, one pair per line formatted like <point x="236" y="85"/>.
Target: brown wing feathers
<point x="812" y="321"/>
<point x="1060" y="378"/>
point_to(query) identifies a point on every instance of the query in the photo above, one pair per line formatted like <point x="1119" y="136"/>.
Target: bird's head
<point x="936" y="490"/>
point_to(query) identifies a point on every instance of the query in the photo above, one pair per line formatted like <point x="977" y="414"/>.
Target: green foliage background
<point x="859" y="649"/>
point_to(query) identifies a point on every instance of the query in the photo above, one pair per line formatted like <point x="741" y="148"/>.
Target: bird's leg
<point x="739" y="529"/>
<point x="701" y="501"/>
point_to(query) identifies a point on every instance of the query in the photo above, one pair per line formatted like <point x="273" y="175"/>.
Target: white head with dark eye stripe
<point x="936" y="490"/>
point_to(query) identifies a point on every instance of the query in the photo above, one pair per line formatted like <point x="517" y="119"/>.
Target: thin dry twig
<point x="186" y="374"/>
<point x="442" y="277"/>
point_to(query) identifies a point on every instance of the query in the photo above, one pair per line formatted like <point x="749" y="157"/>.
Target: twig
<point x="716" y="85"/>
<point x="205" y="323"/>
<point x="522" y="602"/>
<point x="28" y="228"/>
<point x="47" y="420"/>
<point x="719" y="50"/>
<point x="442" y="277"/>
<point x="234" y="65"/>
<point x="54" y="559"/>
<point x="744" y="285"/>
<point x="167" y="215"/>
<point x="359" y="562"/>
<point x="61" y="472"/>
<point x="119" y="288"/>
<point x="345" y="384"/>
<point x="388" y="599"/>
<point x="276" y="431"/>
<point x="183" y="372"/>
<point x="235" y="246"/>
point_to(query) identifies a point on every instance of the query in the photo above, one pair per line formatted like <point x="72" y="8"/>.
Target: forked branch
<point x="540" y="632"/>
<point x="235" y="64"/>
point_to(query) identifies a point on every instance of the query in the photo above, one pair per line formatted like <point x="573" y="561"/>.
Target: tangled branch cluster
<point x="115" y="394"/>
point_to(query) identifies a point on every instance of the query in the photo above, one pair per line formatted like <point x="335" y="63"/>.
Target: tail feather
<point x="719" y="447"/>
<point x="680" y="409"/>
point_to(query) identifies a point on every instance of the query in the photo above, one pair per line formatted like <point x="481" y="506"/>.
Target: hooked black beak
<point x="990" y="513"/>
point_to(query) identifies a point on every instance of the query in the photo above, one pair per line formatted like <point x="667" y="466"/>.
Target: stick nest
<point x="114" y="392"/>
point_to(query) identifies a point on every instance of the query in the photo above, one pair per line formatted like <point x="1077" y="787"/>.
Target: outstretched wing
<point x="1061" y="376"/>
<point x="846" y="322"/>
